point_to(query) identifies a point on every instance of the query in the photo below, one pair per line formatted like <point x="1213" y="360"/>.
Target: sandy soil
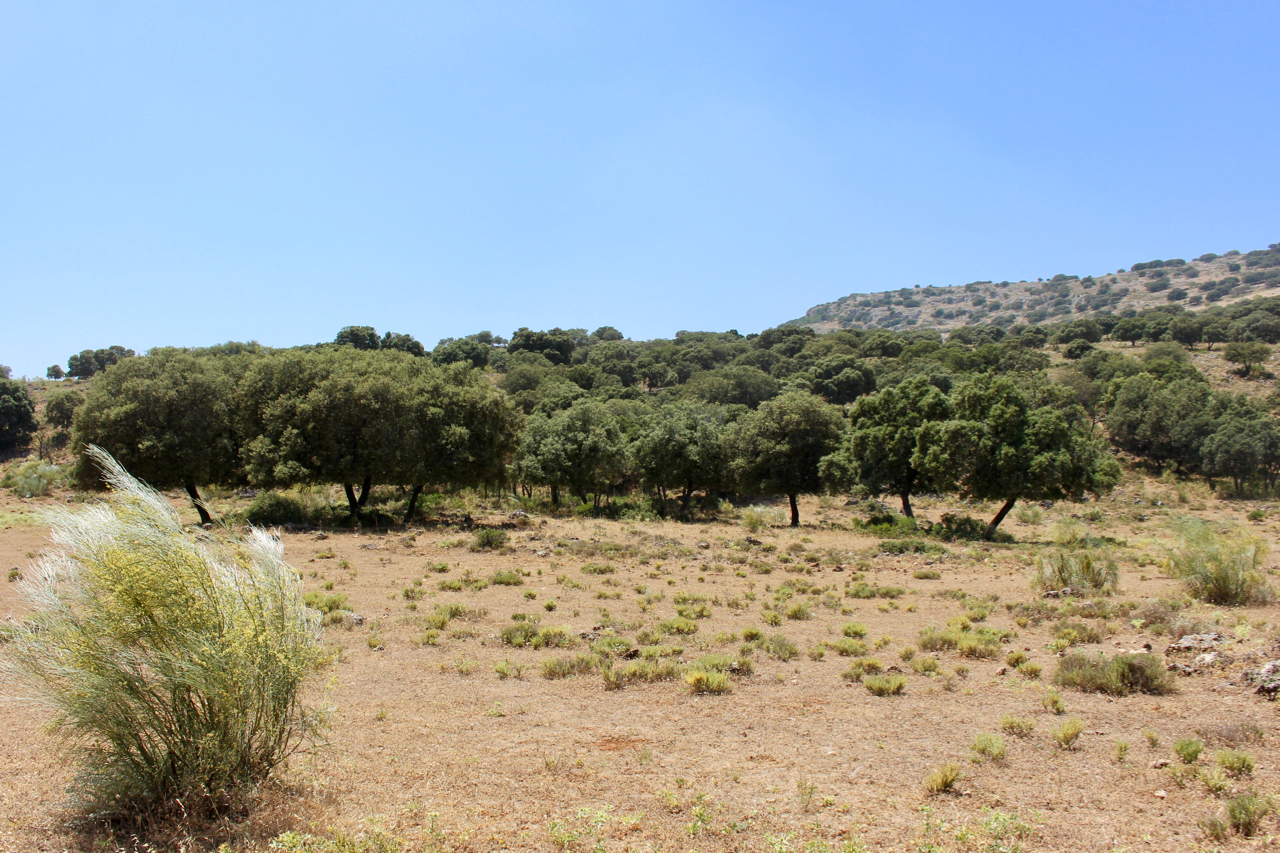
<point x="431" y="747"/>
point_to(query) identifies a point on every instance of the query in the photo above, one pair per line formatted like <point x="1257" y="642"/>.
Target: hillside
<point x="1208" y="280"/>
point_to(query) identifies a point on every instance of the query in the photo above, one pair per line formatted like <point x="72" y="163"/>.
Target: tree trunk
<point x="906" y="505"/>
<point x="190" y="485"/>
<point x="353" y="504"/>
<point x="555" y="497"/>
<point x="684" y="499"/>
<point x="365" y="488"/>
<point x="413" y="503"/>
<point x="995" y="522"/>
<point x="795" y="511"/>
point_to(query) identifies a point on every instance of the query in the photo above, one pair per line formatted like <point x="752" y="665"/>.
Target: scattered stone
<point x="1209" y="659"/>
<point x="1181" y="669"/>
<point x="1161" y="794"/>
<point x="1004" y="670"/>
<point x="704" y="545"/>
<point x="1196" y="643"/>
<point x="518" y="514"/>
<point x="1266" y="677"/>
<point x="357" y="619"/>
<point x="1159" y="764"/>
<point x="321" y="536"/>
<point x="1059" y="593"/>
<point x="751" y="540"/>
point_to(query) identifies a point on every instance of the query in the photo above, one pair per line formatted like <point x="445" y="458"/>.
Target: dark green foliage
<point x="166" y="417"/>
<point x="681" y="447"/>
<point x="580" y="448"/>
<point x="1246" y="354"/>
<point x="841" y="379"/>
<point x="360" y="337"/>
<point x="556" y="345"/>
<point x="276" y="508"/>
<point x="490" y="538"/>
<point x="17" y="414"/>
<point x="879" y="451"/>
<point x="741" y="385"/>
<point x="1001" y="445"/>
<point x="1077" y="349"/>
<point x="778" y="449"/>
<point x="1121" y="675"/>
<point x="60" y="408"/>
<point x="89" y="362"/>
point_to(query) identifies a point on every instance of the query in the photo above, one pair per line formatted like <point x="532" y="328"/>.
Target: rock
<point x="518" y="514"/>
<point x="704" y="545"/>
<point x="751" y="540"/>
<point x="1208" y="659"/>
<point x="1195" y="643"/>
<point x="1266" y="677"/>
<point x="1004" y="670"/>
<point x="321" y="536"/>
<point x="1159" y="764"/>
<point x="1161" y="794"/>
<point x="1181" y="669"/>
<point x="208" y="525"/>
<point x="357" y="619"/>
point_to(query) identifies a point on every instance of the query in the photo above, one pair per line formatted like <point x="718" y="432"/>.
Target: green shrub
<point x="174" y="660"/>
<point x="942" y="780"/>
<point x="1188" y="749"/>
<point x="678" y="625"/>
<point x="1068" y="733"/>
<point x="925" y="665"/>
<point x="781" y="648"/>
<point x="1087" y="571"/>
<point x="488" y="539"/>
<point x="507" y="577"/>
<point x="847" y="648"/>
<point x="1245" y="812"/>
<point x="1018" y="726"/>
<point x="1121" y="675"/>
<point x="704" y="681"/>
<point x="855" y="630"/>
<point x="326" y="603"/>
<point x="1235" y="762"/>
<point x="35" y="479"/>
<point x="988" y="746"/>
<point x="276" y="508"/>
<point x="937" y="640"/>
<point x="884" y="685"/>
<point x="597" y="569"/>
<point x="1220" y="568"/>
<point x="553" y="668"/>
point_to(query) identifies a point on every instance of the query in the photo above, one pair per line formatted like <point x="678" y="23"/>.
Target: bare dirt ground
<point x="430" y="746"/>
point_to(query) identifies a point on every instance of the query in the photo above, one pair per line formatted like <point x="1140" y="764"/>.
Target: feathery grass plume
<point x="173" y="659"/>
<point x="1220" y="568"/>
<point x="1093" y="570"/>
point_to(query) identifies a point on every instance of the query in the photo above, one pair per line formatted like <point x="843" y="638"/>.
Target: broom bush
<point x="173" y="659"/>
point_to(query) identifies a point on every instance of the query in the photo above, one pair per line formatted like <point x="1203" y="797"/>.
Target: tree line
<point x="594" y="416"/>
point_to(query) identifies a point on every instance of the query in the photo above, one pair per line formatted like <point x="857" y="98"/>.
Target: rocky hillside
<point x="1207" y="280"/>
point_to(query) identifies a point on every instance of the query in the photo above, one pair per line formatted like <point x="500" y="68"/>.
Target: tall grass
<point x="173" y="660"/>
<point x="1220" y="568"/>
<point x="1082" y="570"/>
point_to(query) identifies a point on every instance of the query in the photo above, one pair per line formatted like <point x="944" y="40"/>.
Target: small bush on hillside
<point x="1121" y="675"/>
<point x="489" y="539"/>
<point x="1089" y="571"/>
<point x="1220" y="568"/>
<point x="174" y="661"/>
<point x="35" y="479"/>
<point x="270" y="509"/>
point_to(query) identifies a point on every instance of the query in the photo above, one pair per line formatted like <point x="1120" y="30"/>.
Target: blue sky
<point x="175" y="174"/>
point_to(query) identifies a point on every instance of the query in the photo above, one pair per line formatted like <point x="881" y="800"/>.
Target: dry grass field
<point x="449" y="735"/>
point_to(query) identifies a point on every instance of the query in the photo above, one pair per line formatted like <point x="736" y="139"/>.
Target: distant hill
<point x="1207" y="280"/>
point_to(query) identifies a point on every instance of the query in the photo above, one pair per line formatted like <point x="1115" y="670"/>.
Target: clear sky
<point x="187" y="174"/>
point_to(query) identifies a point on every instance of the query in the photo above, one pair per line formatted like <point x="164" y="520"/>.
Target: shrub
<point x="942" y="780"/>
<point x="597" y="569"/>
<point x="35" y="479"/>
<point x="174" y="660"/>
<point x="704" y="681"/>
<point x="678" y="625"/>
<point x="1068" y="733"/>
<point x="988" y="746"/>
<point x="507" y="577"/>
<point x="1235" y="762"/>
<point x="1029" y="669"/>
<point x="925" y="665"/>
<point x="488" y="539"/>
<point x="553" y="668"/>
<point x="1245" y="812"/>
<point x="847" y="648"/>
<point x="1029" y="514"/>
<point x="1018" y="726"/>
<point x="884" y="685"/>
<point x="1188" y="749"/>
<point x="855" y="630"/>
<point x="1121" y="675"/>
<point x="1081" y="570"/>
<point x="276" y="508"/>
<point x="1220" y="568"/>
<point x="781" y="648"/>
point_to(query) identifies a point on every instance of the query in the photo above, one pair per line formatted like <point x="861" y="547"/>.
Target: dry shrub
<point x="173" y="659"/>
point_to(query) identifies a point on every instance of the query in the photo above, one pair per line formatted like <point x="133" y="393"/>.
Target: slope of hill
<point x="1207" y="280"/>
